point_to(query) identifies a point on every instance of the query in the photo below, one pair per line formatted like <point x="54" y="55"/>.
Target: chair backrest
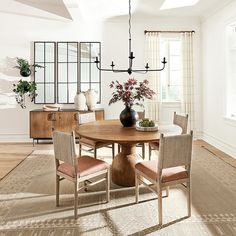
<point x="64" y="147"/>
<point x="141" y="114"/>
<point x="175" y="151"/>
<point x="181" y="121"/>
<point x="86" y="117"/>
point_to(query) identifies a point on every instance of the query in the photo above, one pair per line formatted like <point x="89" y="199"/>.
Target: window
<point x="231" y="71"/>
<point x="170" y="86"/>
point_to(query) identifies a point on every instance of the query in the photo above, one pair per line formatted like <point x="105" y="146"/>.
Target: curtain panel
<point x="187" y="102"/>
<point x="152" y="53"/>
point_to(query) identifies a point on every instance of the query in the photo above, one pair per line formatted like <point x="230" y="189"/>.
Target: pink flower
<point x="131" y="92"/>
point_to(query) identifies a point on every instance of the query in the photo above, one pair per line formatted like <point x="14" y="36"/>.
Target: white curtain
<point x="187" y="103"/>
<point x="152" y="52"/>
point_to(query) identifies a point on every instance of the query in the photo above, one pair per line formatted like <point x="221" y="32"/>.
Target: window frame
<point x="167" y="39"/>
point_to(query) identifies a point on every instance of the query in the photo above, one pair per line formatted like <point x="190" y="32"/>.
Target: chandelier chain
<point x="129" y="19"/>
<point x="130" y="69"/>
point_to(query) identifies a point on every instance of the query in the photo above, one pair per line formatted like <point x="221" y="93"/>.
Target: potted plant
<point x="130" y="93"/>
<point x="25" y="67"/>
<point x="24" y="87"/>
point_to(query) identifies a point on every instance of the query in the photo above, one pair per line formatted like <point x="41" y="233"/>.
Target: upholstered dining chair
<point x="173" y="167"/>
<point x="77" y="168"/>
<point x="91" y="144"/>
<point x="179" y="120"/>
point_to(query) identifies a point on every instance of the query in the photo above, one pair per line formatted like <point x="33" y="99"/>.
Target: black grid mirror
<point x="44" y="55"/>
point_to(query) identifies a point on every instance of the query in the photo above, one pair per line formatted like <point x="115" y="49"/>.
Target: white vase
<point x="80" y="102"/>
<point x="91" y="99"/>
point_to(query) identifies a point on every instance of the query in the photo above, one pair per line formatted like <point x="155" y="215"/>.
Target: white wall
<point x="217" y="130"/>
<point x="18" y="33"/>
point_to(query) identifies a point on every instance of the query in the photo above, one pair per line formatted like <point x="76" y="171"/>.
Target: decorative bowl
<point x="146" y="129"/>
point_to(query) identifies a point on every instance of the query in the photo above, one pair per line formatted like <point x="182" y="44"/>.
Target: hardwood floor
<point x="218" y="153"/>
<point x="11" y="154"/>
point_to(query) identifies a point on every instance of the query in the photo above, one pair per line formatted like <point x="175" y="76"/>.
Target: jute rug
<point x="27" y="203"/>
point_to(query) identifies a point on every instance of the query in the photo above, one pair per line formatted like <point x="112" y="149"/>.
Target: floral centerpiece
<point x="131" y="93"/>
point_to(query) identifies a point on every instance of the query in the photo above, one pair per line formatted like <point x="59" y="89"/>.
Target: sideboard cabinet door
<point x="41" y="124"/>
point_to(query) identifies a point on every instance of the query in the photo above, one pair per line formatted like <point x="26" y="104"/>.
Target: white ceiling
<point x="105" y="9"/>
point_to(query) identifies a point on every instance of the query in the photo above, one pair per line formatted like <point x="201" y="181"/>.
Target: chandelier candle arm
<point x="130" y="70"/>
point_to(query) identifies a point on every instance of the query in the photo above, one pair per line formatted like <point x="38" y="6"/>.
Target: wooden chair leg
<point x="143" y="151"/>
<point x="75" y="200"/>
<point x="80" y="149"/>
<point x="136" y="188"/>
<point x="118" y="148"/>
<point x="189" y="201"/>
<point x="167" y="191"/>
<point x="108" y="186"/>
<point x="57" y="189"/>
<point x="113" y="151"/>
<point x="159" y="204"/>
<point x="150" y="152"/>
<point x="95" y="153"/>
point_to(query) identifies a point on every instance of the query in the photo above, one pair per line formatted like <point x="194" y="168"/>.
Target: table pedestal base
<point x="123" y="166"/>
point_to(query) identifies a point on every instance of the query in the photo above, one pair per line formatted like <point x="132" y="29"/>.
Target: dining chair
<point x="173" y="167"/>
<point x="179" y="120"/>
<point x="77" y="168"/>
<point x="91" y="144"/>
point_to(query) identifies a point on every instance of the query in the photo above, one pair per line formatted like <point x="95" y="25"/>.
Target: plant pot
<point x="25" y="73"/>
<point x="128" y="117"/>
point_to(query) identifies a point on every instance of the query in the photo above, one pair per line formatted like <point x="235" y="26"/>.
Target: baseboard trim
<point x="15" y="138"/>
<point x="220" y="144"/>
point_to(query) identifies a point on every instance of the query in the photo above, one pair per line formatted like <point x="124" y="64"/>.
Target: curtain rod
<point x="169" y="31"/>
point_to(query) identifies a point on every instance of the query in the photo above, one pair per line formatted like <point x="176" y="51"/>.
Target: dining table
<point x="112" y="131"/>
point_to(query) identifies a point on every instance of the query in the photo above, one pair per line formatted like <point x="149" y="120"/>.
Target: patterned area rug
<point x="27" y="203"/>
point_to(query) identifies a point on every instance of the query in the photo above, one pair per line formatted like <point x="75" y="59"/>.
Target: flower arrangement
<point x="131" y="92"/>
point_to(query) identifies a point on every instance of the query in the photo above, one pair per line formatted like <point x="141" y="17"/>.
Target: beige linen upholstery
<point x="76" y="169"/>
<point x="91" y="144"/>
<point x="179" y="120"/>
<point x="173" y="167"/>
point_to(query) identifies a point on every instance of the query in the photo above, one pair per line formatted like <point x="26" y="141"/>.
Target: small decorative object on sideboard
<point x="131" y="93"/>
<point x="146" y="125"/>
<point x="25" y="67"/>
<point x="53" y="107"/>
<point x="22" y="88"/>
<point x="91" y="99"/>
<point x="80" y="102"/>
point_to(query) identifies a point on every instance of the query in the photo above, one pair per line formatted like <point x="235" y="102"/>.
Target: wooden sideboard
<point x="42" y="123"/>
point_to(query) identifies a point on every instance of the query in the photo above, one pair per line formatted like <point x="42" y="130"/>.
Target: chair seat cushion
<point x="86" y="165"/>
<point x="92" y="143"/>
<point x="149" y="168"/>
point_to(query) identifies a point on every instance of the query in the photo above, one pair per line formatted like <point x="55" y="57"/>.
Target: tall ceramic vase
<point x="128" y="117"/>
<point x="91" y="99"/>
<point x="80" y="102"/>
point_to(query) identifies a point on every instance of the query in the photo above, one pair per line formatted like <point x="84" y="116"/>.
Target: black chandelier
<point x="130" y="70"/>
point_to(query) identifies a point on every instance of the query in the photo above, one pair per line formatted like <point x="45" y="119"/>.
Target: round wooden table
<point x="113" y="131"/>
